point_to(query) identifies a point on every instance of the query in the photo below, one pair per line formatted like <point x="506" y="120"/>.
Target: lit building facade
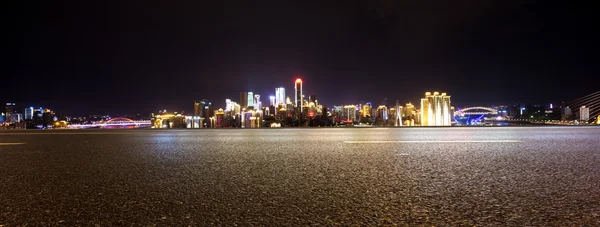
<point x="435" y="110"/>
<point x="566" y="113"/>
<point x="219" y="119"/>
<point x="250" y="99"/>
<point x="280" y="96"/>
<point x="28" y="113"/>
<point x="10" y="111"/>
<point x="203" y="111"/>
<point x="251" y="118"/>
<point x="381" y="115"/>
<point x="257" y="103"/>
<point x="299" y="101"/>
<point x="584" y="113"/>
<point x="350" y="113"/>
<point x="171" y="120"/>
<point x="272" y="101"/>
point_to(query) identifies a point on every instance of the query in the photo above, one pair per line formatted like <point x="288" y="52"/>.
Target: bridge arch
<point x="120" y="119"/>
<point x="479" y="108"/>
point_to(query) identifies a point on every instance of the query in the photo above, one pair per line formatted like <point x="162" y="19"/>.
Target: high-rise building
<point x="365" y="111"/>
<point x="381" y="115"/>
<point x="350" y="113"/>
<point x="243" y="99"/>
<point x="409" y="111"/>
<point x="272" y="101"/>
<point x="250" y="99"/>
<point x="280" y="96"/>
<point x="257" y="102"/>
<point x="299" y="97"/>
<point x="10" y="111"/>
<point x="197" y="108"/>
<point x="435" y="109"/>
<point x="584" y="113"/>
<point x="204" y="110"/>
<point x="566" y="113"/>
<point x="312" y="98"/>
<point x="28" y="113"/>
<point x="288" y="104"/>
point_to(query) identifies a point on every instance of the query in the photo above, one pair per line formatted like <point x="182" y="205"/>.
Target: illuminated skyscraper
<point x="288" y="104"/>
<point x="584" y="113"/>
<point x="257" y="103"/>
<point x="279" y="96"/>
<point x="299" y="97"/>
<point x="435" y="110"/>
<point x="350" y="113"/>
<point x="272" y="101"/>
<point x="365" y="111"/>
<point x="29" y="113"/>
<point x="250" y="99"/>
<point x="312" y="98"/>
<point x="381" y="115"/>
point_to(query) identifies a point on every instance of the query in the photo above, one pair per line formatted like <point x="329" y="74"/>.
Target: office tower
<point x="280" y="96"/>
<point x="382" y="112"/>
<point x="288" y="104"/>
<point x="28" y="113"/>
<point x="10" y="111"/>
<point x="584" y="113"/>
<point x="250" y="99"/>
<point x="204" y="110"/>
<point x="299" y="101"/>
<point x="257" y="102"/>
<point x="350" y="113"/>
<point x="435" y="109"/>
<point x="381" y="115"/>
<point x="566" y="113"/>
<point x="312" y="98"/>
<point x="272" y="101"/>
<point x="243" y="99"/>
<point x="365" y="111"/>
<point x="196" y="108"/>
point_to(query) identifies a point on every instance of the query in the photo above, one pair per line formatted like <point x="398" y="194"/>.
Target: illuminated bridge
<point x="477" y="110"/>
<point x="119" y="122"/>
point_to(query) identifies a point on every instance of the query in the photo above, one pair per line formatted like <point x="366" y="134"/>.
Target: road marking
<point x="435" y="141"/>
<point x="8" y="144"/>
<point x="70" y="133"/>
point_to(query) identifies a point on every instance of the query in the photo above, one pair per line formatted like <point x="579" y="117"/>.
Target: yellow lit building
<point x="435" y="109"/>
<point x="168" y="120"/>
<point x="365" y="111"/>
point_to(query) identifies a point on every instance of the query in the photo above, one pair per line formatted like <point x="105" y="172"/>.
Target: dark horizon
<point x="85" y="58"/>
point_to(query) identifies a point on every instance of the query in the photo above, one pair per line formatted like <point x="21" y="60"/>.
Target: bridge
<point x="476" y="110"/>
<point x="119" y="122"/>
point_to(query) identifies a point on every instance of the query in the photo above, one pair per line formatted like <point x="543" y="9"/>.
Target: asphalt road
<point x="528" y="176"/>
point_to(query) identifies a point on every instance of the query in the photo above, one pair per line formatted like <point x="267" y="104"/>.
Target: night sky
<point x="86" y="57"/>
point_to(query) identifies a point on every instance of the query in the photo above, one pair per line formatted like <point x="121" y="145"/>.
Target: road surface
<point x="512" y="176"/>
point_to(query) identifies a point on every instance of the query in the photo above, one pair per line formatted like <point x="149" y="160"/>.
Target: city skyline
<point x="76" y="58"/>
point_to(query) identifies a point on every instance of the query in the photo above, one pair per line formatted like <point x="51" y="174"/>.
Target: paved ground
<point x="530" y="176"/>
